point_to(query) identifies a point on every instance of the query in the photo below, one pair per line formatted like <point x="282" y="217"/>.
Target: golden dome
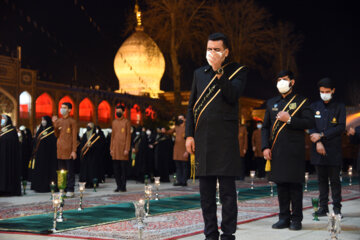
<point x="139" y="65"/>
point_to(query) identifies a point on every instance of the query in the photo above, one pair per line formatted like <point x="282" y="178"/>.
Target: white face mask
<point x="63" y="111"/>
<point x="283" y="86"/>
<point x="259" y="126"/>
<point x="43" y="123"/>
<point x="148" y="132"/>
<point x="326" y="96"/>
<point x="209" y="53"/>
<point x="3" y="121"/>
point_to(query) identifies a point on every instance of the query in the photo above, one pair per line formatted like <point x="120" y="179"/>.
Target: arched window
<point x="67" y="99"/>
<point x="25" y="104"/>
<point x="135" y="114"/>
<point x="43" y="106"/>
<point x="86" y="110"/>
<point x="104" y="112"/>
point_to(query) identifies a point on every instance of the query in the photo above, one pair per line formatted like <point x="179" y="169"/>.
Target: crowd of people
<point x="294" y="131"/>
<point x="122" y="152"/>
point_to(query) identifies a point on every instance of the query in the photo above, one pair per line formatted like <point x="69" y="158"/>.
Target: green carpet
<point x="124" y="211"/>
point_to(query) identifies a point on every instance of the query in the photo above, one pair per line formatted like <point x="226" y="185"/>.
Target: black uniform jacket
<point x="288" y="152"/>
<point x="216" y="132"/>
<point x="330" y="119"/>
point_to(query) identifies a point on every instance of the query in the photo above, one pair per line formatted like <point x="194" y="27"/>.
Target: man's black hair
<point x="325" y="82"/>
<point x="69" y="105"/>
<point x="284" y="73"/>
<point x="220" y="36"/>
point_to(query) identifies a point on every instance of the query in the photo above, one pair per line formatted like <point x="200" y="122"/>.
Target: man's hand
<point x="283" y="116"/>
<point x="267" y="153"/>
<point x="126" y="153"/>
<point x="254" y="148"/>
<point x="320" y="148"/>
<point x="54" y="118"/>
<point x="215" y="59"/>
<point x="351" y="132"/>
<point x="315" y="137"/>
<point x="190" y="145"/>
<point x="186" y="155"/>
<point x="73" y="155"/>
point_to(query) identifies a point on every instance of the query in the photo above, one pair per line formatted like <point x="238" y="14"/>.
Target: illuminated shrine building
<point x="139" y="64"/>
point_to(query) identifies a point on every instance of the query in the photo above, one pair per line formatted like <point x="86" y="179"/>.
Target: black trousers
<point x="68" y="164"/>
<point x="290" y="193"/>
<point x="228" y="200"/>
<point x="332" y="173"/>
<point x="181" y="171"/>
<point x="120" y="167"/>
<point x="260" y="166"/>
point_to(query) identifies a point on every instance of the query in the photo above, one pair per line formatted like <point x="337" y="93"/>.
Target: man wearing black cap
<point x="330" y="119"/>
<point x="120" y="147"/>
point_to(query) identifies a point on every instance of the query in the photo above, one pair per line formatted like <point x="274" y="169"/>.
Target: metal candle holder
<point x="350" y="175"/>
<point x="95" y="182"/>
<point x="140" y="215"/>
<point x="157" y="185"/>
<point x="306" y="181"/>
<point x="56" y="200"/>
<point x="60" y="218"/>
<point x="334" y="225"/>
<point x="315" y="204"/>
<point x="52" y="189"/>
<point x="271" y="188"/>
<point x="62" y="182"/>
<point x="148" y="193"/>
<point x="81" y="190"/>
<point x="217" y="192"/>
<point x="24" y="183"/>
<point x="252" y="176"/>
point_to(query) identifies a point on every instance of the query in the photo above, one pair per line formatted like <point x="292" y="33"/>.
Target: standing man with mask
<point x="283" y="143"/>
<point x="330" y="119"/>
<point x="212" y="134"/>
<point x="66" y="131"/>
<point x="120" y="147"/>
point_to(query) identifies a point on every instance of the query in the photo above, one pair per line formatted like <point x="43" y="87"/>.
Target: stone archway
<point x="8" y="105"/>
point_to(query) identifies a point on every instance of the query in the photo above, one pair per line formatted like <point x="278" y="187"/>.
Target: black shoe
<point x="117" y="190"/>
<point x="295" y="226"/>
<point x="322" y="212"/>
<point x="177" y="184"/>
<point x="281" y="224"/>
<point x="123" y="190"/>
<point x="212" y="238"/>
<point x="337" y="211"/>
<point x="184" y="185"/>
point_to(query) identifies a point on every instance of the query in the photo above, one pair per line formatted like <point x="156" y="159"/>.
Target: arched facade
<point x="44" y="106"/>
<point x="104" y="112"/>
<point x="86" y="110"/>
<point x="8" y="105"/>
<point x="25" y="100"/>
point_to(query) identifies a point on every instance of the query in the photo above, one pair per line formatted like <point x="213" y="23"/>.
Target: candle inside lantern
<point x="252" y="174"/>
<point x="306" y="176"/>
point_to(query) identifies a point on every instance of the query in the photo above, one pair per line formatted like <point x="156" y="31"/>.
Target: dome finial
<point x="137" y="12"/>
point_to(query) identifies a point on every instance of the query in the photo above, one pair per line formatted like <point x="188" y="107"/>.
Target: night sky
<point x="56" y="35"/>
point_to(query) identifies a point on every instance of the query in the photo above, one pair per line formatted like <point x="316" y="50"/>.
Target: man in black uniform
<point x="283" y="142"/>
<point x="326" y="155"/>
<point x="212" y="126"/>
